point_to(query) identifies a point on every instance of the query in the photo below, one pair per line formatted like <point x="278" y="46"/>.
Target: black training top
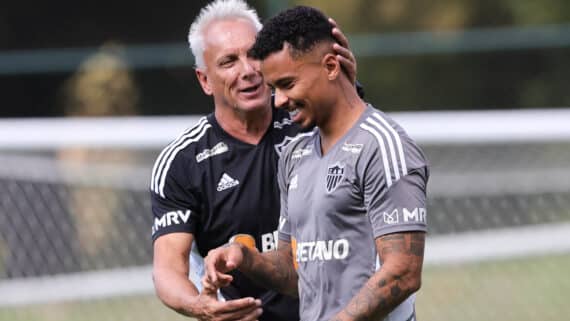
<point x="216" y="187"/>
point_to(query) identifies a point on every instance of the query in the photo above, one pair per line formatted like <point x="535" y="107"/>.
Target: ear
<point x="331" y="65"/>
<point x="203" y="79"/>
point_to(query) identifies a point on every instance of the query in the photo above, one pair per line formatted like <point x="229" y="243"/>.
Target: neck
<point x="343" y="115"/>
<point x="248" y="127"/>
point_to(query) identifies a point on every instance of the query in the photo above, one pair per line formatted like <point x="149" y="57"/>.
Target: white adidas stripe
<point x="395" y="147"/>
<point x="159" y="165"/>
<point x="398" y="142"/>
<point x="226" y="178"/>
<point x="173" y="154"/>
<point x="387" y="174"/>
<point x="390" y="146"/>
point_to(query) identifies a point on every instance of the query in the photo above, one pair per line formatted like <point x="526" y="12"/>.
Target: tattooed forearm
<point x="393" y="243"/>
<point x="365" y="301"/>
<point x="417" y="244"/>
<point x="401" y="255"/>
<point x="274" y="271"/>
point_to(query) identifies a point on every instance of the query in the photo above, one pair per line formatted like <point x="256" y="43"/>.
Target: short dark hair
<point x="302" y="27"/>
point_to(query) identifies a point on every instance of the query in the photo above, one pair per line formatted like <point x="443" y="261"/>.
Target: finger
<point x="212" y="267"/>
<point x="224" y="279"/>
<point x="346" y="53"/>
<point x="349" y="67"/>
<point x="231" y="310"/>
<point x="221" y="280"/>
<point x="249" y="314"/>
<point x="338" y="34"/>
<point x="209" y="290"/>
<point x="253" y="315"/>
<point x="235" y="255"/>
<point x="346" y="63"/>
<point x="210" y="277"/>
<point x="230" y="264"/>
<point x="237" y="305"/>
<point x="333" y="22"/>
<point x="340" y="37"/>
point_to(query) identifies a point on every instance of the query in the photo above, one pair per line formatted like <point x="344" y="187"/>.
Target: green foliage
<point x="522" y="78"/>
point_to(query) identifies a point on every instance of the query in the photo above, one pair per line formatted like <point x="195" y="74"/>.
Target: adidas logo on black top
<point x="226" y="182"/>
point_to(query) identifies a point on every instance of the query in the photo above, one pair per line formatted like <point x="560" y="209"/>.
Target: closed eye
<point x="285" y="83"/>
<point x="227" y="61"/>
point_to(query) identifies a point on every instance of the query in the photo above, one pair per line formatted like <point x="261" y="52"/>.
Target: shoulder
<point x="384" y="132"/>
<point x="181" y="154"/>
<point x="188" y="142"/>
<point x="377" y="126"/>
<point x="389" y="143"/>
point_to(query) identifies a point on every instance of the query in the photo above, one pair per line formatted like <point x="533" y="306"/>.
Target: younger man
<point x="353" y="191"/>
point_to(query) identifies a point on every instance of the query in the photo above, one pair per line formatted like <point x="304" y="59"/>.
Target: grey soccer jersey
<point x="371" y="183"/>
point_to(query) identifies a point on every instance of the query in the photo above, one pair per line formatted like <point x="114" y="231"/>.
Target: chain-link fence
<point x="75" y="234"/>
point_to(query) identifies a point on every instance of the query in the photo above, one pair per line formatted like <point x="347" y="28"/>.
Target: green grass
<point x="521" y="290"/>
<point x="139" y="308"/>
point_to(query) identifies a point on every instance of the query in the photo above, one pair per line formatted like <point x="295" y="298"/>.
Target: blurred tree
<point x="495" y="79"/>
<point x="491" y="79"/>
<point x="103" y="86"/>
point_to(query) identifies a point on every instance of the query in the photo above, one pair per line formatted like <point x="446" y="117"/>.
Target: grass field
<point x="522" y="290"/>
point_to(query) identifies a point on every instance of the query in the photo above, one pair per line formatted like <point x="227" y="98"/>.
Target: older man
<point x="217" y="182"/>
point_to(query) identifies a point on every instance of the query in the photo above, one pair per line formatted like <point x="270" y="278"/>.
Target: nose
<point x="250" y="68"/>
<point x="280" y="98"/>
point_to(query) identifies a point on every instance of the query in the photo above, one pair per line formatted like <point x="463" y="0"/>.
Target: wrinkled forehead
<point x="228" y="38"/>
<point x="229" y="32"/>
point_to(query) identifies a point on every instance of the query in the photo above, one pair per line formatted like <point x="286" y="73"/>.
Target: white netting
<point x="75" y="216"/>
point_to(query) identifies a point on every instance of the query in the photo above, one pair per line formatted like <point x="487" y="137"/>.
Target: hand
<point x="344" y="55"/>
<point x="220" y="261"/>
<point x="208" y="308"/>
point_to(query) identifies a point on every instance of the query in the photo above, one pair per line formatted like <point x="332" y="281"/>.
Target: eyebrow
<point x="229" y="55"/>
<point x="283" y="81"/>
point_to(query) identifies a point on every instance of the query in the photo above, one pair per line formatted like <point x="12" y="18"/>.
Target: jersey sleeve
<point x="175" y="204"/>
<point x="398" y="203"/>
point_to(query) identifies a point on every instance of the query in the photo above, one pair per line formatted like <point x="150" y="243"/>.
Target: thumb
<point x="210" y="291"/>
<point x="234" y="259"/>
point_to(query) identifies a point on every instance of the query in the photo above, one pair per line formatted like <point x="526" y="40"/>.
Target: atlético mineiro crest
<point x="335" y="173"/>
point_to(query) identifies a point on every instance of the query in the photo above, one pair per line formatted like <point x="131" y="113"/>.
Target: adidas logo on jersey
<point x="226" y="182"/>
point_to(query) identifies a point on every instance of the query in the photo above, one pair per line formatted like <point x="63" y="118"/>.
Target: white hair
<point x="217" y="10"/>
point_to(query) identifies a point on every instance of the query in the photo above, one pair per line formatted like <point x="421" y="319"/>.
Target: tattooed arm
<point x="276" y="270"/>
<point x="273" y="269"/>
<point x="401" y="255"/>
